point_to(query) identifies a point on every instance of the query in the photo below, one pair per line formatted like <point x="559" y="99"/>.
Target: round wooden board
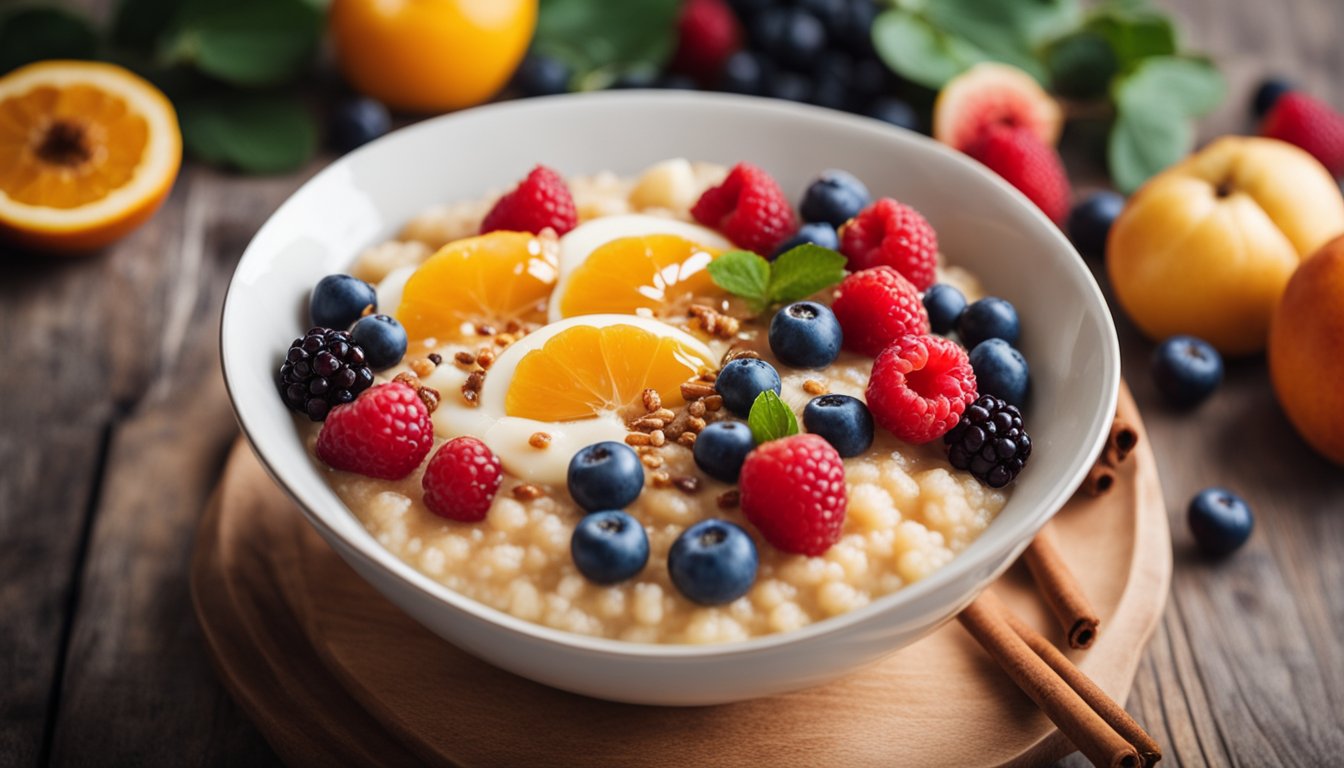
<point x="334" y="674"/>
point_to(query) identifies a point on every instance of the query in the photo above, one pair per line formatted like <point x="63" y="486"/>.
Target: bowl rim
<point x="373" y="554"/>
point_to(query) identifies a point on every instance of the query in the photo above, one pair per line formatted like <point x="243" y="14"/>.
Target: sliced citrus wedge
<point x="638" y="275"/>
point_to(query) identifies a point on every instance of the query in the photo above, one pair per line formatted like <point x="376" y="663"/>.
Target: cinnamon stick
<point x="1061" y="591"/>
<point x="1100" y="479"/>
<point x="1091" y="734"/>
<point x="1120" y="442"/>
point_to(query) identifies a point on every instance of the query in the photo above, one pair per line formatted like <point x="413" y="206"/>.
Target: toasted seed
<point x="814" y="387"/>
<point x="695" y="424"/>
<point x="657" y="438"/>
<point x="637" y="438"/>
<point x="436" y="358"/>
<point x="713" y="402"/>
<point x="464" y="358"/>
<point x="686" y="438"/>
<point x="527" y="492"/>
<point x="660" y="479"/>
<point x="696" y="408"/>
<point x="430" y="397"/>
<point x="652" y="400"/>
<point x="729" y="499"/>
<point x="539" y="440"/>
<point x="686" y="483"/>
<point x="694" y="390"/>
<point x="652" y="460"/>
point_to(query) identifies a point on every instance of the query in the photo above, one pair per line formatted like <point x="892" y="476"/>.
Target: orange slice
<point x="88" y="152"/>
<point x="490" y="279"/>
<point x="647" y="275"/>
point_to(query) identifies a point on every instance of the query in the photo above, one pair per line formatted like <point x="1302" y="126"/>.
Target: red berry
<point x="892" y="234"/>
<point x="876" y="306"/>
<point x="384" y="433"/>
<point x="1023" y="160"/>
<point x="707" y="34"/>
<point x="920" y="386"/>
<point x="749" y="208"/>
<point x="539" y="201"/>
<point x="1310" y="124"/>
<point x="461" y="480"/>
<point x="793" y="491"/>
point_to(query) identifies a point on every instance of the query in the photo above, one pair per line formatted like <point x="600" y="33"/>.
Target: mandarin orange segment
<point x="638" y="275"/>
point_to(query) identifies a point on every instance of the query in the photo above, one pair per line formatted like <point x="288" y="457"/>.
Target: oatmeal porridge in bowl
<point x="688" y="414"/>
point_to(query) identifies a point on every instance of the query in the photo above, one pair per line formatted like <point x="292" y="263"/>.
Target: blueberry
<point x="1186" y="370"/>
<point x="944" y="303"/>
<point x="721" y="447"/>
<point x="831" y="92"/>
<point x="383" y="340"/>
<point x="988" y="318"/>
<point x="605" y="475"/>
<point x="791" y="36"/>
<point x="817" y="233"/>
<point x="858" y="35"/>
<point x="1090" y="221"/>
<point x="357" y="121"/>
<point x="741" y="380"/>
<point x="805" y="334"/>
<point x="609" y="547"/>
<point x="843" y="421"/>
<point x="789" y="86"/>
<point x="871" y="78"/>
<point x="833" y="15"/>
<point x="674" y="81"/>
<point x="713" y="562"/>
<point x="1001" y="371"/>
<point x="1268" y="94"/>
<point x="1220" y="520"/>
<point x="338" y="301"/>
<point x="542" y="75"/>
<point x="745" y="72"/>
<point x="894" y="111"/>
<point x="746" y="10"/>
<point x="834" y="198"/>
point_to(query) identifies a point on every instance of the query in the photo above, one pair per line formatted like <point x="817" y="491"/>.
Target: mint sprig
<point x="770" y="419"/>
<point x="796" y="274"/>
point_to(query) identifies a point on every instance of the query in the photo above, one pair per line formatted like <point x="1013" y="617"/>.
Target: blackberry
<point x="322" y="370"/>
<point x="990" y="441"/>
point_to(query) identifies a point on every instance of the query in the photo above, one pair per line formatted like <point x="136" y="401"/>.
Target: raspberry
<point x="1310" y="124"/>
<point x="749" y="208"/>
<point x="384" y="433"/>
<point x="793" y="491"/>
<point x="875" y="306"/>
<point x="920" y="386"/>
<point x="892" y="234"/>
<point x="990" y="441"/>
<point x="461" y="480"/>
<point x="1023" y="160"/>
<point x="324" y="369"/>
<point x="707" y="34"/>
<point x="539" y="201"/>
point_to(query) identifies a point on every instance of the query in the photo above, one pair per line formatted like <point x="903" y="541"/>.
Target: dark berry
<point x="1186" y="370"/>
<point x="988" y="318"/>
<point x="1090" y="221"/>
<point x="383" y="340"/>
<point x="675" y="81"/>
<point x="542" y="75"/>
<point x="609" y="547"/>
<point x="338" y="301"/>
<point x="1220" y="520"/>
<point x="790" y="36"/>
<point x="746" y="73"/>
<point x="833" y="15"/>
<point x="746" y="10"/>
<point x="834" y="198"/>
<point x="357" y="121"/>
<point x="1268" y="93"/>
<point x="789" y="86"/>
<point x="805" y="334"/>
<point x="322" y="370"/>
<point x="713" y="562"/>
<point x="944" y="303"/>
<point x="636" y="78"/>
<point x="894" y="111"/>
<point x="831" y="92"/>
<point x="1000" y="370"/>
<point x="871" y="79"/>
<point x="741" y="380"/>
<point x="605" y="475"/>
<point x="816" y="233"/>
<point x="858" y="35"/>
<point x="989" y="441"/>
<point x="843" y="421"/>
<point x="721" y="447"/>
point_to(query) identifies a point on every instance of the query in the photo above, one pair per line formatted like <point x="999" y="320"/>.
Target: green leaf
<point x="601" y="40"/>
<point x="247" y="43"/>
<point x="916" y="50"/>
<point x="256" y="133"/>
<point x="1143" y="143"/>
<point x="1082" y="66"/>
<point x="1188" y="86"/>
<point x="802" y="271"/>
<point x="138" y="24"/>
<point x="743" y="273"/>
<point x="1134" y="32"/>
<point x="33" y="34"/>
<point x="1154" y="105"/>
<point x="1008" y="32"/>
<point x="770" y="419"/>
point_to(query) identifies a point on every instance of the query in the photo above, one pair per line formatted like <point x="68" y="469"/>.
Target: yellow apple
<point x="1206" y="246"/>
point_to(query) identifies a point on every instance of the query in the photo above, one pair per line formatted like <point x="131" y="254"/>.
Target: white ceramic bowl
<point x="982" y="224"/>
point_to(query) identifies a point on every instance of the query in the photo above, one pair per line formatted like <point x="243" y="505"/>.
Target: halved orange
<point x="644" y="275"/>
<point x="88" y="152"/>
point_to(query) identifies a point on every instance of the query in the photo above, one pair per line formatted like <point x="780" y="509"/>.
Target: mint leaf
<point x="256" y="133"/>
<point x="1154" y="106"/>
<point x="1134" y="32"/>
<point x="1143" y="143"/>
<point x="802" y="271"/>
<point x="33" y="34"/>
<point x="245" y="42"/>
<point x="1082" y="65"/>
<point x="603" y="40"/>
<point x="1008" y="32"/>
<point x="916" y="50"/>
<point x="770" y="419"/>
<point x="743" y="273"/>
<point x="1186" y="86"/>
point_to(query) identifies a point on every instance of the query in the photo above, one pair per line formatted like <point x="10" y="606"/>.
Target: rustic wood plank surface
<point x="113" y="424"/>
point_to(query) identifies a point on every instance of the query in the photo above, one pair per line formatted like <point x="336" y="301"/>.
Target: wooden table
<point x="114" y="424"/>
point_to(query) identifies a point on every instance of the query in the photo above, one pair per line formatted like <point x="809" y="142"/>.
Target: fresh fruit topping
<point x="805" y="334"/>
<point x="606" y="475"/>
<point x="888" y="233"/>
<point x="542" y="75"/>
<point x="771" y="418"/>
<point x="461" y="480"/>
<point x="988" y="95"/>
<point x="357" y="121"/>
<point x="707" y="34"/>
<point x="944" y="303"/>
<point x="1186" y="370"/>
<point x="385" y="433"/>
<point x="744" y="72"/>
<point x="896" y="112"/>
<point x="323" y="369"/>
<point x="834" y="198"/>
<point x="876" y="306"/>
<point x="1220" y="520"/>
<point x="650" y="274"/>
<point x="843" y="421"/>
<point x="989" y="318"/>
<point x="791" y="36"/>
<point x="540" y="201"/>
<point x="920" y="386"/>
<point x="795" y="274"/>
<point x="793" y="491"/>
<point x="748" y="207"/>
<point x="721" y="447"/>
<point x="383" y="340"/>
<point x="713" y="562"/>
<point x="488" y="280"/>
<point x="609" y="547"/>
<point x="1310" y="124"/>
<point x="1000" y="370"/>
<point x="1034" y="168"/>
<point x="989" y="442"/>
<point x="1090" y="221"/>
<point x="742" y="379"/>
<point x="1268" y="93"/>
<point x="338" y="301"/>
<point x="816" y="233"/>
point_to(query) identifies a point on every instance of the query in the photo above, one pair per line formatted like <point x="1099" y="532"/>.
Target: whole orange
<point x="430" y="55"/>
<point x="1306" y="350"/>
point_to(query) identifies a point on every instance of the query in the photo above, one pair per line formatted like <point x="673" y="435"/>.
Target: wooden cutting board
<point x="332" y="673"/>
